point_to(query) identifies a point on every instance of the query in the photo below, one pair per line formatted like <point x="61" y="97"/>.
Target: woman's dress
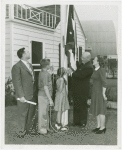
<point x="61" y="99"/>
<point x="98" y="104"/>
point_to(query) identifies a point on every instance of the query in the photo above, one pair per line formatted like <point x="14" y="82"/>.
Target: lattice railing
<point x="33" y="15"/>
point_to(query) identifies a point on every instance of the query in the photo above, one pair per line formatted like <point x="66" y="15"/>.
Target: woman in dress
<point x="44" y="96"/>
<point x="61" y="100"/>
<point x="98" y="97"/>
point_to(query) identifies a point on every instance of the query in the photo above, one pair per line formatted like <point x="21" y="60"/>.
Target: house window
<point x="37" y="54"/>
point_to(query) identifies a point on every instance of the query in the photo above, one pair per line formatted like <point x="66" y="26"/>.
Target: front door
<point x="37" y="55"/>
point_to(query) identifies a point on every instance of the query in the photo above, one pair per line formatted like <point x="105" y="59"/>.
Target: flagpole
<point x="63" y="21"/>
<point x="66" y="22"/>
<point x="64" y="17"/>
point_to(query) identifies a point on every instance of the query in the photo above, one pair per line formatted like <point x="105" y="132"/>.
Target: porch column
<point x="11" y="16"/>
<point x="63" y="12"/>
<point x="11" y="11"/>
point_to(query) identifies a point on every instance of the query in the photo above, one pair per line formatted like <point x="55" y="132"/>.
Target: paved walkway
<point x="75" y="135"/>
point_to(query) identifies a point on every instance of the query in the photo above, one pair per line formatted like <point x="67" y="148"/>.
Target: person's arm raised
<point x="81" y="74"/>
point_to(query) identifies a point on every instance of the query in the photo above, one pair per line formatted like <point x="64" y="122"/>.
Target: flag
<point x="71" y="39"/>
<point x="70" y="43"/>
<point x="75" y="39"/>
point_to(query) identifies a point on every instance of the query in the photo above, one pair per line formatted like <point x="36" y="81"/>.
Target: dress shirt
<point x="27" y="65"/>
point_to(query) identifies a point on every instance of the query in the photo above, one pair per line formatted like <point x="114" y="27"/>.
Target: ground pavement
<point x="75" y="135"/>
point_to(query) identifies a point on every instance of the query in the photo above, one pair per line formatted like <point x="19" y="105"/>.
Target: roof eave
<point x="80" y="23"/>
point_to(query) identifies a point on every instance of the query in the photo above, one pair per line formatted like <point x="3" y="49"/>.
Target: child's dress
<point x="61" y="100"/>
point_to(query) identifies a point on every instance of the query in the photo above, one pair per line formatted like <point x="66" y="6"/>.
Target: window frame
<point x="30" y="48"/>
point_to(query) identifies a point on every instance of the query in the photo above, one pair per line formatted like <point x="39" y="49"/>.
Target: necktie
<point x="29" y="67"/>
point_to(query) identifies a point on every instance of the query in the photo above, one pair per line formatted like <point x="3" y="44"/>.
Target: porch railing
<point x="32" y="15"/>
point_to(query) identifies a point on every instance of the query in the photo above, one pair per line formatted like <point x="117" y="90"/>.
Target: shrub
<point x="9" y="93"/>
<point x="111" y="94"/>
<point x="112" y="64"/>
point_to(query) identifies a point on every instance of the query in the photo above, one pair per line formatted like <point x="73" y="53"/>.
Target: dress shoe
<point x="21" y="134"/>
<point x="64" y="129"/>
<point x="95" y="130"/>
<point x="83" y="125"/>
<point x="33" y="133"/>
<point x="43" y="131"/>
<point x="49" y="130"/>
<point x="75" y="124"/>
<point x="101" y="131"/>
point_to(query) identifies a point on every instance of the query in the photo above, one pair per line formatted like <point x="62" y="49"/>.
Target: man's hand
<point x="89" y="101"/>
<point x="51" y="103"/>
<point x="69" y="71"/>
<point x="104" y="97"/>
<point x="22" y="99"/>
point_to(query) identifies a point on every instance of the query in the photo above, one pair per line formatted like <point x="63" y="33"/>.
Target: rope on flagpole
<point x="53" y="44"/>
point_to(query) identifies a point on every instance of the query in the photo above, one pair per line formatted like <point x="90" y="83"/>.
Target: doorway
<point x="37" y="53"/>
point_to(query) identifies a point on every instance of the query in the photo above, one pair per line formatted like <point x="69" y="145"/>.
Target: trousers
<point x="80" y="109"/>
<point x="26" y="112"/>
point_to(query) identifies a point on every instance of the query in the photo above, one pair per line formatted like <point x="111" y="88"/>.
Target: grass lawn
<point x="75" y="135"/>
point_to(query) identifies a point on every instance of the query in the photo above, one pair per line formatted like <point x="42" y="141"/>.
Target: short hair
<point x="87" y="56"/>
<point x="101" y="61"/>
<point x="44" y="63"/>
<point x="48" y="60"/>
<point x="20" y="52"/>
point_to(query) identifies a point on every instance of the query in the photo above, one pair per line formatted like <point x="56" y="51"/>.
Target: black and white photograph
<point x="60" y="73"/>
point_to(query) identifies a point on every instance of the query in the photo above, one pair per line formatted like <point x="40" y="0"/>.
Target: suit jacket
<point x="81" y="79"/>
<point x="23" y="81"/>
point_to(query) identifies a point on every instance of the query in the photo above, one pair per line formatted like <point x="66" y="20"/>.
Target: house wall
<point x="23" y="33"/>
<point x="80" y="35"/>
<point x="7" y="49"/>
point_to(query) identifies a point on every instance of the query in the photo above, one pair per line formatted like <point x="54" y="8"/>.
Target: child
<point x="61" y="100"/>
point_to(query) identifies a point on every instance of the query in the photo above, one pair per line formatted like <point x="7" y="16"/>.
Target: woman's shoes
<point x="95" y="130"/>
<point x="101" y="131"/>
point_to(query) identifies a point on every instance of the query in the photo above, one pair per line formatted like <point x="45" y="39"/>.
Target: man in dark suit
<point x="23" y="79"/>
<point x="80" y="89"/>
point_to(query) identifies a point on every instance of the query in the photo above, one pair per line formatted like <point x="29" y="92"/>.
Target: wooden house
<point x="39" y="31"/>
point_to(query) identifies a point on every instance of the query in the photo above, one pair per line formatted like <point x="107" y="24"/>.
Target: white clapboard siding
<point x="51" y="39"/>
<point x="54" y="51"/>
<point x="80" y="35"/>
<point x="7" y="50"/>
<point x="22" y="33"/>
<point x="20" y="42"/>
<point x="33" y="32"/>
<point x="51" y="55"/>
